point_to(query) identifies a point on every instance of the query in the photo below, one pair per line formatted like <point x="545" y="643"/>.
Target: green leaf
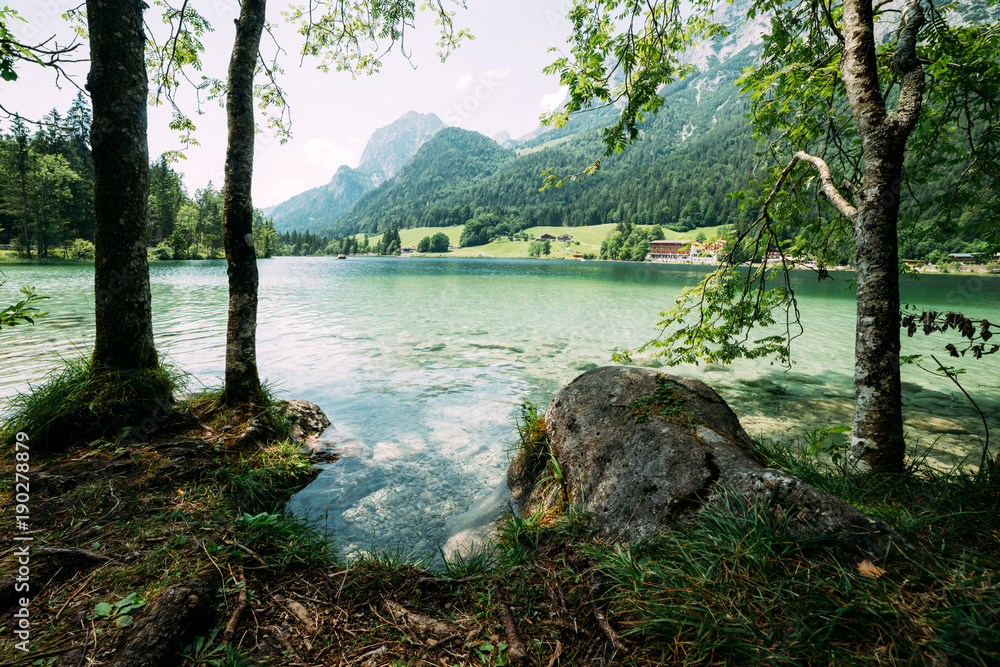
<point x="103" y="609"/>
<point x="127" y="600"/>
<point x="124" y="621"/>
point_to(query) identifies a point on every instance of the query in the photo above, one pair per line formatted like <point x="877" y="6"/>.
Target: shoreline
<point x="6" y="260"/>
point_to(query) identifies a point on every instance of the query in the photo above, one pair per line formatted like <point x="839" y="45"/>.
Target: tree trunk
<point x="20" y="134"/>
<point x="24" y="201"/>
<point x="877" y="443"/>
<point x="118" y="88"/>
<point x="242" y="381"/>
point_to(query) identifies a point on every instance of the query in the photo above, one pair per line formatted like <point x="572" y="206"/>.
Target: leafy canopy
<point x="623" y="51"/>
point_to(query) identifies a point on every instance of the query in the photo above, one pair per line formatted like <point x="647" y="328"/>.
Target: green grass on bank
<point x="11" y="257"/>
<point x="736" y="589"/>
<point x="81" y="401"/>
<point x="589" y="239"/>
<point x="124" y="522"/>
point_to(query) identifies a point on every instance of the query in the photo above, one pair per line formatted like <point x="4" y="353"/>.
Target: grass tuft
<point x="264" y="479"/>
<point x="284" y="541"/>
<point x="81" y="402"/>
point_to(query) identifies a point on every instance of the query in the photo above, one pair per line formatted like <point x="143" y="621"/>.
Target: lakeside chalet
<point x="674" y="250"/>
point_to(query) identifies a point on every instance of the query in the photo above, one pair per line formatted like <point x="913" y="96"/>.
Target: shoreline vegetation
<point x="8" y="257"/>
<point x="119" y="530"/>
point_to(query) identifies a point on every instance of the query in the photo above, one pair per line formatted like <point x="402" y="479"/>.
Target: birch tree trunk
<point x="242" y="382"/>
<point x="877" y="443"/>
<point x="118" y="89"/>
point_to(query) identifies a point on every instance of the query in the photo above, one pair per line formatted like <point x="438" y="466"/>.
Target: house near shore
<point x="776" y="257"/>
<point x="566" y="238"/>
<point x="672" y="250"/>
<point x="972" y="257"/>
<point x="546" y="237"/>
<point x="713" y="248"/>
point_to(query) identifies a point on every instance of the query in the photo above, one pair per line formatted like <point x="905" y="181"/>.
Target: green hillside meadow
<point x="589" y="238"/>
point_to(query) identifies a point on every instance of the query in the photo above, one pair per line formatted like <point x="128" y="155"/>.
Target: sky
<point x="491" y="84"/>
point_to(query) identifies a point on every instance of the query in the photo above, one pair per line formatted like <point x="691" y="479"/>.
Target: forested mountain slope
<point x="689" y="157"/>
<point x="388" y="149"/>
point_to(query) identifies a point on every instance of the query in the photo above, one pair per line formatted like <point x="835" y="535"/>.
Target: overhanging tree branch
<point x="828" y="189"/>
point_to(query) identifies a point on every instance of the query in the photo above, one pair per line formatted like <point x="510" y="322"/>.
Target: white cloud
<point x="325" y="153"/>
<point x="550" y="102"/>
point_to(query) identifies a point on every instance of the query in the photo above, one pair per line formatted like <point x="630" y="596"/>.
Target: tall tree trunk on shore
<point x="21" y="159"/>
<point x="242" y="382"/>
<point x="877" y="443"/>
<point x="118" y="88"/>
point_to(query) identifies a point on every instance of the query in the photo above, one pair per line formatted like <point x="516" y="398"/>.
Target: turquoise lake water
<point x="421" y="363"/>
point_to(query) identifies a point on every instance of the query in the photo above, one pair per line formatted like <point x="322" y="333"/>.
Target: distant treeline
<point x="676" y="182"/>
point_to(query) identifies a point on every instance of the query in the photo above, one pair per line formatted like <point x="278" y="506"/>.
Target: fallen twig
<point x="419" y="622"/>
<point x="438" y="644"/>
<point x="569" y="627"/>
<point x="515" y="647"/>
<point x="300" y="612"/>
<point x="555" y="656"/>
<point x="73" y="551"/>
<point x="594" y="584"/>
<point x="234" y="619"/>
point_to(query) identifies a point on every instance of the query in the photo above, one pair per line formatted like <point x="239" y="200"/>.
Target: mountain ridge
<point x="387" y="150"/>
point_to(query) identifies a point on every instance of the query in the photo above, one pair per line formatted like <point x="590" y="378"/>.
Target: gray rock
<point x="308" y="423"/>
<point x="640" y="472"/>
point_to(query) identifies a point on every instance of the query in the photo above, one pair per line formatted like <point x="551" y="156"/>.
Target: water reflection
<point x="421" y="364"/>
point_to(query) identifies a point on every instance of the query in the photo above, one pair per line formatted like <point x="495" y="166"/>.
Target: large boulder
<point x="642" y="450"/>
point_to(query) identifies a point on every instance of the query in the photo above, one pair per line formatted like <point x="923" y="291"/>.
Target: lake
<point x="421" y="364"/>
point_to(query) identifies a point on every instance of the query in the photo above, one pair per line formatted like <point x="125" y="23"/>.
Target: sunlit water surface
<point x="421" y="364"/>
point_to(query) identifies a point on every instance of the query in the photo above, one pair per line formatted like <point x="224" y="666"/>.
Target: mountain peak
<point x="392" y="146"/>
<point x="504" y="139"/>
<point x="389" y="148"/>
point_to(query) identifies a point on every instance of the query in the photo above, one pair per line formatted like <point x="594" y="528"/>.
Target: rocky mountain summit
<point x="392" y="146"/>
<point x="388" y="149"/>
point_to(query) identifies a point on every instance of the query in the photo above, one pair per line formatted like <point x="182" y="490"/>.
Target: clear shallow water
<point x="421" y="364"/>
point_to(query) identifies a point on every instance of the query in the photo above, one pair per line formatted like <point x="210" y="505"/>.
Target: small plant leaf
<point x="127" y="600"/>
